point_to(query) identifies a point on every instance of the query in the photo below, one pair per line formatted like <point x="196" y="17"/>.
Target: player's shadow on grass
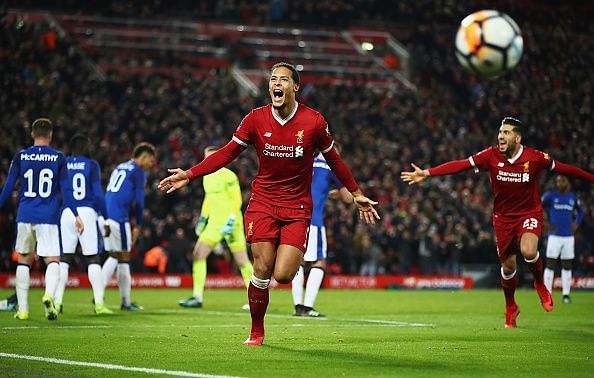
<point x="344" y="359"/>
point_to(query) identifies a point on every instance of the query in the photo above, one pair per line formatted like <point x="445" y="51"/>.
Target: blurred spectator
<point x="155" y="259"/>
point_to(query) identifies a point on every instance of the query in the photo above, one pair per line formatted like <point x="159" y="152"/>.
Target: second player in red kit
<point x="286" y="136"/>
<point x="517" y="210"/>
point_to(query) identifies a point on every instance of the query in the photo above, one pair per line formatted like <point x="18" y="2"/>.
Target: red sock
<point x="258" y="299"/>
<point x="537" y="270"/>
<point x="509" y="288"/>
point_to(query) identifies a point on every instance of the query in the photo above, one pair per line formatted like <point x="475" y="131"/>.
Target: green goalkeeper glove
<point x="228" y="227"/>
<point x="200" y="225"/>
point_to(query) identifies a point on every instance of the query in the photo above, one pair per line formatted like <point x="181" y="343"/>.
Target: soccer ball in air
<point x="489" y="43"/>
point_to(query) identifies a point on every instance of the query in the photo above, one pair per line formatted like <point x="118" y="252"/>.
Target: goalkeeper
<point x="220" y="218"/>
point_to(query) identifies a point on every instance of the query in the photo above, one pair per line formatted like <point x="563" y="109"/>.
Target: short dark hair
<point x="79" y="144"/>
<point x="294" y="72"/>
<point x="142" y="148"/>
<point x="42" y="127"/>
<point x="518" y="127"/>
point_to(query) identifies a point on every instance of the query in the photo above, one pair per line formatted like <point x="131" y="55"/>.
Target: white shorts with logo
<point x="41" y="238"/>
<point x="90" y="242"/>
<point x="561" y="246"/>
<point x="316" y="244"/>
<point x="120" y="237"/>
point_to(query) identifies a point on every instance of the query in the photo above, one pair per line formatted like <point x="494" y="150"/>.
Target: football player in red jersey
<point x="286" y="135"/>
<point x="517" y="211"/>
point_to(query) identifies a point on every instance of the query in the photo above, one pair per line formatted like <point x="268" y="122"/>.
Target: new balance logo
<point x="268" y="134"/>
<point x="500" y="165"/>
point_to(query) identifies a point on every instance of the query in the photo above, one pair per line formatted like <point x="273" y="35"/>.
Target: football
<point x="489" y="43"/>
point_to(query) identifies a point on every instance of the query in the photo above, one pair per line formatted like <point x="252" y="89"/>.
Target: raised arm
<point x="212" y="163"/>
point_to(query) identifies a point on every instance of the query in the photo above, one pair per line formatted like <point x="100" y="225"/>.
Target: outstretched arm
<point x="449" y="168"/>
<point x="573" y="171"/>
<point x="212" y="163"/>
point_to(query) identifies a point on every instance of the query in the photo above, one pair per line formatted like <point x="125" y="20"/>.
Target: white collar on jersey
<point x="283" y="121"/>
<point x="517" y="155"/>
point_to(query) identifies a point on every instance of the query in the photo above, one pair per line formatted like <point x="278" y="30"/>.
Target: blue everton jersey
<point x="322" y="181"/>
<point x="40" y="170"/>
<point x="564" y="209"/>
<point x="126" y="185"/>
<point x="84" y="176"/>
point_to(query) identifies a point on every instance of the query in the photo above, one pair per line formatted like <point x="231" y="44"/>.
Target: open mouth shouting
<point x="278" y="97"/>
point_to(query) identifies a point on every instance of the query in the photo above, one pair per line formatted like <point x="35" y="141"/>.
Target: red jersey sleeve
<point x="324" y="140"/>
<point x="243" y="133"/>
<point x="544" y="161"/>
<point x="480" y="160"/>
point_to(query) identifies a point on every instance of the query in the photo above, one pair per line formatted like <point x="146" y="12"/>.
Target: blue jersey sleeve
<point x="99" y="196"/>
<point x="546" y="200"/>
<point x="66" y="186"/>
<point x="13" y="173"/>
<point x="335" y="181"/>
<point x="580" y="211"/>
<point x="139" y="179"/>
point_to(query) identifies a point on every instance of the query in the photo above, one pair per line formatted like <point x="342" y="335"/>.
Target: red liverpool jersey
<point x="516" y="181"/>
<point x="286" y="150"/>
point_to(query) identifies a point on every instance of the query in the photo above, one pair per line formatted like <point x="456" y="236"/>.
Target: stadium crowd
<point x="431" y="229"/>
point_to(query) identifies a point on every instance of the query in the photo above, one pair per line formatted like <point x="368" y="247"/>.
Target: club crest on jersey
<point x="299" y="136"/>
<point x="250" y="228"/>
<point x="527" y="166"/>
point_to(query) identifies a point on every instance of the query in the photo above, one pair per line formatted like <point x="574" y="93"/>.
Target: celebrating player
<point x="562" y="205"/>
<point x="84" y="175"/>
<point x="40" y="170"/>
<point x="125" y="188"/>
<point x="285" y="135"/>
<point x="220" y="218"/>
<point x="517" y="211"/>
<point x="323" y="179"/>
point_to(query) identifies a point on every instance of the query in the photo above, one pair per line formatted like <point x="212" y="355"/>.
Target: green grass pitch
<point x="367" y="333"/>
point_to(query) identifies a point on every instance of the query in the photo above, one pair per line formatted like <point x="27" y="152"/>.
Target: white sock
<point x="3" y="304"/>
<point x="62" y="282"/>
<point x="109" y="267"/>
<point x="260" y="283"/>
<point x="508" y="276"/>
<point x="96" y="280"/>
<point x="548" y="276"/>
<point x="566" y="280"/>
<point x="314" y="281"/>
<point x="297" y="287"/>
<point x="52" y="277"/>
<point x="124" y="282"/>
<point x="22" y="286"/>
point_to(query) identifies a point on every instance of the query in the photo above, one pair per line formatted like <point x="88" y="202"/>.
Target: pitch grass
<point x="465" y="337"/>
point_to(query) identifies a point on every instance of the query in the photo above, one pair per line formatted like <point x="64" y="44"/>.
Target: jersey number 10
<point x="116" y="180"/>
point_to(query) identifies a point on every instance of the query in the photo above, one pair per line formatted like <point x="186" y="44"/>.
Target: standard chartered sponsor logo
<point x="512" y="176"/>
<point x="282" y="151"/>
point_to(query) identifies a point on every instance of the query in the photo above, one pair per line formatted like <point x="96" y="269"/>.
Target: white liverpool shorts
<point x="41" y="238"/>
<point x="120" y="238"/>
<point x="90" y="242"/>
<point x="561" y="246"/>
<point x="316" y="244"/>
